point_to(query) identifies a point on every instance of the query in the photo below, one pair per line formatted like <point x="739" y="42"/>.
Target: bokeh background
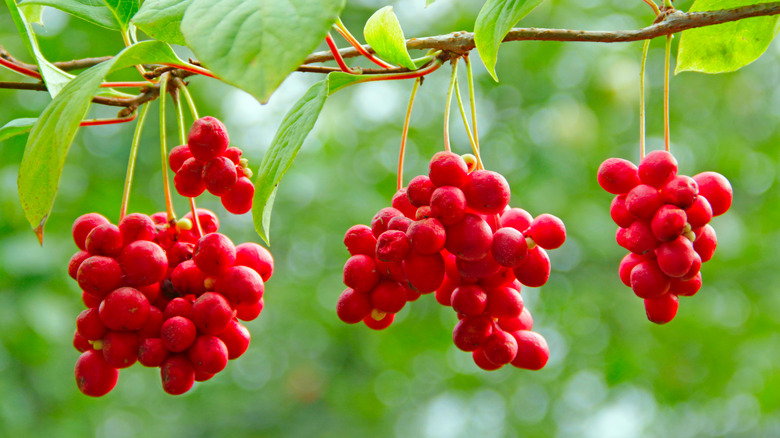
<point x="559" y="110"/>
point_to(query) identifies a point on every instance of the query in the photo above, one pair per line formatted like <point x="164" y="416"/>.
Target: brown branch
<point x="675" y="21"/>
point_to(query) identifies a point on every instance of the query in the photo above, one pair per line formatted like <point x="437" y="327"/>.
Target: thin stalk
<point x="645" y="48"/>
<point x="190" y="102"/>
<point x="195" y="219"/>
<point x="340" y="28"/>
<point x="654" y="6"/>
<point x="472" y="99"/>
<point x="193" y="69"/>
<point x="124" y="84"/>
<point x="131" y="162"/>
<point x="19" y="69"/>
<point x="400" y="181"/>
<point x="453" y="79"/>
<point x="668" y="4"/>
<point x="99" y="122"/>
<point x="164" y="152"/>
<point x="406" y="75"/>
<point x="336" y="55"/>
<point x="466" y="125"/>
<point x="128" y="43"/>
<point x="667" y="63"/>
<point x="180" y="121"/>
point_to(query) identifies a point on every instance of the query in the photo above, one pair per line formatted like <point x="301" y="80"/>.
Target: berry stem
<point x="466" y="125"/>
<point x="472" y="99"/>
<point x="453" y="79"/>
<point x="19" y="69"/>
<point x="131" y="162"/>
<point x="336" y="55"/>
<point x="99" y="122"/>
<point x="190" y="102"/>
<point x="183" y="140"/>
<point x="645" y="48"/>
<point x="128" y="43"/>
<point x="180" y="121"/>
<point x="341" y="29"/>
<point x="667" y="63"/>
<point x="400" y="182"/>
<point x="195" y="219"/>
<point x="668" y="4"/>
<point x="654" y="6"/>
<point x="124" y="84"/>
<point x="164" y="151"/>
<point x="430" y="68"/>
<point x="194" y="69"/>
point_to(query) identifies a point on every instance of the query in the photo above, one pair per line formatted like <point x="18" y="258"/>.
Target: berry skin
<point x="124" y="309"/>
<point x="99" y="275"/>
<point x="481" y="360"/>
<point x="471" y="332"/>
<point x="239" y="199"/>
<point x="686" y="288"/>
<point x="547" y="231"/>
<point x="120" y="349"/>
<point x="517" y="218"/>
<point x="219" y="175"/>
<point x="388" y="297"/>
<point x="469" y="299"/>
<point x="668" y="223"/>
<point x="379" y="324"/>
<point x="638" y="238"/>
<point x="80" y="343"/>
<point x="234" y="155"/>
<point x="680" y="191"/>
<point x="469" y="239"/>
<point x="353" y="306"/>
<point x="209" y="222"/>
<point x="249" y="311"/>
<point x="254" y="256"/>
<point x="508" y="247"/>
<point x="136" y="226"/>
<point x="211" y="313"/>
<point x="240" y="284"/>
<point x="94" y="376"/>
<point x="153" y="324"/>
<point x="83" y="225"/>
<point x="392" y="246"/>
<point x="534" y="270"/>
<point x="424" y="272"/>
<point x="443" y="294"/>
<point x="178" y="375"/>
<point x="214" y="253"/>
<point x="619" y="213"/>
<point x="187" y="278"/>
<point x="717" y="189"/>
<point x="178" y="333"/>
<point x="104" y="240"/>
<point x="700" y="213"/>
<point x="360" y="240"/>
<point x="143" y="263"/>
<point x="705" y="243"/>
<point x="178" y="306"/>
<point x="532" y="350"/>
<point x="627" y="265"/>
<point x="657" y="168"/>
<point x="75" y="262"/>
<point x="208" y="354"/>
<point x="381" y="219"/>
<point x="89" y="325"/>
<point x="643" y="201"/>
<point x="648" y="281"/>
<point x="484" y="267"/>
<point x="523" y="322"/>
<point x="207" y="139"/>
<point x="360" y="273"/>
<point x="504" y="302"/>
<point x="675" y="258"/>
<point x="178" y="156"/>
<point x="427" y="236"/>
<point x="423" y="212"/>
<point x="662" y="309"/>
<point x="236" y="338"/>
<point x="500" y="347"/>
<point x="448" y="204"/>
<point x="189" y="179"/>
<point x="420" y="190"/>
<point x="448" y="169"/>
<point x="401" y="203"/>
<point x="618" y="176"/>
<point x="487" y="192"/>
<point x="152" y="352"/>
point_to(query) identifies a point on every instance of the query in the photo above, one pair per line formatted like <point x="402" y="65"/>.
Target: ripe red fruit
<point x="219" y="175"/>
<point x="547" y="231"/>
<point x="214" y="253"/>
<point x="657" y="168"/>
<point x="700" y="213"/>
<point x="124" y="309"/>
<point x="187" y="278"/>
<point x="249" y="311"/>
<point x="487" y="192"/>
<point x="706" y="242"/>
<point x="675" y="258"/>
<point x="80" y="343"/>
<point x="178" y="375"/>
<point x="484" y="267"/>
<point x="662" y="309"/>
<point x="360" y="240"/>
<point x="420" y="190"/>
<point x="239" y="199"/>
<point x="208" y="354"/>
<point x="427" y="236"/>
<point x="392" y="246"/>
<point x="481" y="360"/>
<point x="619" y="213"/>
<point x="388" y="297"/>
<point x="423" y="212"/>
<point x="471" y="332"/>
<point x="233" y="154"/>
<point x="189" y="178"/>
<point x="136" y="226"/>
<point x="517" y="218"/>
<point x="508" y="247"/>
<point x="717" y="189"/>
<point x="177" y="156"/>
<point x="618" y="176"/>
<point x="207" y="139"/>
<point x="209" y="222"/>
<point x="94" y="376"/>
<point x="75" y="262"/>
<point x="627" y="265"/>
<point x="668" y="223"/>
<point x="681" y="191"/>
<point x="153" y="324"/>
<point x="104" y="240"/>
<point x="686" y="288"/>
<point x="240" y="284"/>
<point x="120" y="349"/>
<point x="424" y="272"/>
<point x="532" y="350"/>
<point x="504" y="302"/>
<point x="89" y="325"/>
<point x="401" y="203"/>
<point x="447" y="169"/>
<point x="178" y="333"/>
<point x="534" y="270"/>
<point x="523" y="322"/>
<point x="152" y="352"/>
<point x="254" y="256"/>
<point x="211" y="313"/>
<point x="648" y="281"/>
<point x="500" y="347"/>
<point x="381" y="219"/>
<point x="448" y="204"/>
<point x="643" y="201"/>
<point x="443" y="294"/>
<point x="99" y="275"/>
<point x="236" y="338"/>
<point x="379" y="324"/>
<point x="469" y="239"/>
<point x="83" y="225"/>
<point x="360" y="273"/>
<point x="469" y="299"/>
<point x="143" y="263"/>
<point x="353" y="306"/>
<point x="638" y="238"/>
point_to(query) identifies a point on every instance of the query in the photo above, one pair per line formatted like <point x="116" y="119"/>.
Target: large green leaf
<point x="384" y="34"/>
<point x="16" y="127"/>
<point x="280" y="154"/>
<point x="113" y="14"/>
<point x="728" y="46"/>
<point x="50" y="138"/>
<point x="33" y="13"/>
<point x="255" y="44"/>
<point x="161" y="19"/>
<point x="494" y="21"/>
<point x="53" y="77"/>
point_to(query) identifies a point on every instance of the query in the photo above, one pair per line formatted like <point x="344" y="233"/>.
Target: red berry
<point x="240" y="284"/>
<point x="517" y="218"/>
<point x="152" y="352"/>
<point x="681" y="191"/>
<point x="360" y="273"/>
<point x="379" y="324"/>
<point x="136" y="226"/>
<point x="668" y="223"/>
<point x="249" y="311"/>
<point x="104" y="240"/>
<point x="401" y="203"/>
<point x="214" y="253"/>
<point x="178" y="333"/>
<point x="444" y="292"/>
<point x="686" y="288"/>
<point x="675" y="258"/>
<point x="189" y="179"/>
<point x="500" y="347"/>
<point x="392" y="246"/>
<point x="638" y="238"/>
<point x="481" y="360"/>
<point x="209" y="222"/>
<point x="236" y="338"/>
<point x="207" y="139"/>
<point x="700" y="213"/>
<point x="534" y="270"/>
<point x="469" y="239"/>
<point x="420" y="190"/>
<point x="94" y="376"/>
<point x="643" y="201"/>
<point x="83" y="225"/>
<point x="124" y="309"/>
<point x="657" y="168"/>
<point x="75" y="262"/>
<point x="627" y="265"/>
<point x="469" y="299"/>
<point x="353" y="306"/>
<point x="187" y="279"/>
<point x="706" y="242"/>
<point x="648" y="281"/>
<point x="619" y="213"/>
<point x="219" y="175"/>
<point x="239" y="199"/>
<point x="360" y="240"/>
<point x="471" y="332"/>
<point x="662" y="309"/>
<point x="381" y="219"/>
<point x="99" y="275"/>
<point x="254" y="256"/>
<point x="233" y="154"/>
<point x="523" y="322"/>
<point x="448" y="204"/>
<point x="423" y="212"/>
<point x="424" y="272"/>
<point x="487" y="192"/>
<point x="547" y="231"/>
<point x="177" y="156"/>
<point x="120" y="349"/>
<point x="208" y="354"/>
<point x="143" y="263"/>
<point x="427" y="236"/>
<point x="388" y="297"/>
<point x="89" y="325"/>
<point x="508" y="247"/>
<point x="211" y="313"/>
<point x="178" y="375"/>
<point x="504" y="302"/>
<point x="532" y="350"/>
<point x="448" y="169"/>
<point x="153" y="324"/>
<point x="484" y="267"/>
<point x="80" y="343"/>
<point x="717" y="189"/>
<point x="618" y="176"/>
<point x="178" y="306"/>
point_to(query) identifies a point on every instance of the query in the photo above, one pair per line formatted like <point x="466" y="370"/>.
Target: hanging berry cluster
<point x="452" y="232"/>
<point x="664" y="223"/>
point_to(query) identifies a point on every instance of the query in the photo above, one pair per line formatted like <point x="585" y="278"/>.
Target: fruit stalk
<point x="131" y="161"/>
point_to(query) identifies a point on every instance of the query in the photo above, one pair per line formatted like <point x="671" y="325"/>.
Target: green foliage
<point x="384" y="34"/>
<point x="161" y="19"/>
<point x="728" y="46"/>
<point x="51" y="136"/>
<point x="494" y="21"/>
<point x="283" y="149"/>
<point x="16" y="127"/>
<point x="112" y="14"/>
<point x="255" y="44"/>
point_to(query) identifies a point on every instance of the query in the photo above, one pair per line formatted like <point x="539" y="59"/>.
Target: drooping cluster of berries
<point x="452" y="232"/>
<point x="207" y="163"/>
<point x="157" y="294"/>
<point x="664" y="223"/>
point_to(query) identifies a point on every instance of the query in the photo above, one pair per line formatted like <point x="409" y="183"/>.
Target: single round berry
<point x="388" y="297"/>
<point x="399" y="223"/>
<point x="471" y="332"/>
<point x="508" y="247"/>
<point x="360" y="273"/>
<point x="516" y="218"/>
<point x="619" y="213"/>
<point x="136" y="226"/>
<point x="675" y="258"/>
<point x="207" y="139"/>
<point x="481" y="360"/>
<point x="523" y="322"/>
<point x="214" y="253"/>
<point x="686" y="288"/>
<point x="627" y="265"/>
<point x="239" y="199"/>
<point x="657" y="168"/>
<point x="236" y="338"/>
<point x="638" y="238"/>
<point x="360" y="240"/>
<point x="392" y="246"/>
<point x="209" y="222"/>
<point x="152" y="352"/>
<point x="187" y="279"/>
<point x="178" y="333"/>
<point x="662" y="309"/>
<point x="532" y="350"/>
<point x="80" y="343"/>
<point x="233" y="154"/>
<point x="379" y="324"/>
<point x="705" y="244"/>
<point x="401" y="203"/>
<point x="448" y="169"/>
<point x="249" y="311"/>
<point x="177" y="374"/>
<point x="448" y="204"/>
<point x="420" y="190"/>
<point x="648" y="281"/>
<point x="75" y="262"/>
<point x="120" y="349"/>
<point x="469" y="239"/>
<point x="211" y="313"/>
<point x="104" y="240"/>
<point x="353" y="306"/>
<point x="534" y="270"/>
<point x="547" y="231"/>
<point x="444" y="293"/>
<point x="500" y="347"/>
<point x="178" y="156"/>
<point x="99" y="275"/>
<point x="504" y="302"/>
<point x="700" y="213"/>
<point x="83" y="225"/>
<point x="487" y="192"/>
<point x="717" y="189"/>
<point x="643" y="201"/>
<point x="189" y="179"/>
<point x="143" y="263"/>
<point x="240" y="284"/>
<point x="424" y="272"/>
<point x="680" y="191"/>
<point x="124" y="309"/>
<point x="254" y="256"/>
<point x="427" y="236"/>
<point x="469" y="299"/>
<point x="423" y="212"/>
<point x="668" y="223"/>
<point x="381" y="219"/>
<point x="484" y="267"/>
<point x="153" y="324"/>
<point x="179" y="306"/>
<point x="95" y="377"/>
<point x="89" y="325"/>
<point x="618" y="176"/>
<point x="219" y="175"/>
<point x="208" y="354"/>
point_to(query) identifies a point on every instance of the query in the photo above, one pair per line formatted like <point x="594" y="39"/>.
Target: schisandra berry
<point x="207" y="139"/>
<point x="239" y="199"/>
<point x="95" y="377"/>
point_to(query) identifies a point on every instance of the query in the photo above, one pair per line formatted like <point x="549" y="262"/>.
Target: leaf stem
<point x="466" y="125"/>
<point x="183" y="140"/>
<point x="180" y="121"/>
<point x="188" y="98"/>
<point x="19" y="69"/>
<point x="336" y="55"/>
<point x="99" y="122"/>
<point x="453" y="80"/>
<point x="128" y="43"/>
<point x="340" y="28"/>
<point x="194" y="69"/>
<point x="124" y="84"/>
<point x="131" y="161"/>
<point x="642" y="72"/>
<point x="400" y="182"/>
<point x="654" y="6"/>
<point x="667" y="63"/>
<point x="472" y="98"/>
<point x="164" y="151"/>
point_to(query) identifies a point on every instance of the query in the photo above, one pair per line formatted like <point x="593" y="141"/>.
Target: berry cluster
<point x="452" y="232"/>
<point x="664" y="223"/>
<point x="157" y="294"/>
<point x="207" y="163"/>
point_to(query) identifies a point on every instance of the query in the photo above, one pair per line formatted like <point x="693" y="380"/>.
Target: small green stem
<point x="131" y="162"/>
<point x="667" y="65"/>
<point x="668" y="4"/>
<point x="164" y="151"/>
<point x="190" y="102"/>
<point x="180" y="120"/>
<point x="472" y="99"/>
<point x="128" y="43"/>
<point x="645" y="48"/>
<point x="400" y="181"/>
<point x="466" y="125"/>
<point x="654" y="6"/>
<point x="453" y="79"/>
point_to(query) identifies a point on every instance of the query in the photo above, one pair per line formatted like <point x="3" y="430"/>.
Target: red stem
<point x="27" y="72"/>
<point x="193" y="69"/>
<point x="336" y="55"/>
<point x="195" y="219"/>
<point x="98" y="122"/>
<point x="400" y="181"/>
<point x="359" y="47"/>
<point x="124" y="84"/>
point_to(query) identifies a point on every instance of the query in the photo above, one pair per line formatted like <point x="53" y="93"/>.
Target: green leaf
<point x="429" y="2"/>
<point x="161" y="19"/>
<point x="280" y="154"/>
<point x="725" y="47"/>
<point x="113" y="14"/>
<point x="50" y="138"/>
<point x="384" y="34"/>
<point x="255" y="44"/>
<point x="33" y="13"/>
<point x="16" y="127"/>
<point x="494" y="21"/>
<point x="54" y="78"/>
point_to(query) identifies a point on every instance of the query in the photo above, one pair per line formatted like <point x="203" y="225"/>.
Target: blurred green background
<point x="559" y="110"/>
